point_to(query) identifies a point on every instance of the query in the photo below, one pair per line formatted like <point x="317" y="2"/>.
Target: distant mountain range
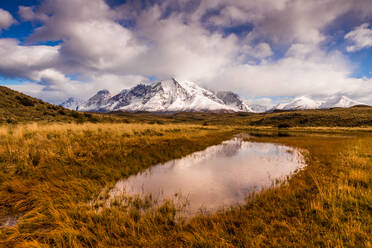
<point x="303" y="102"/>
<point x="164" y="96"/>
<point x="185" y="96"/>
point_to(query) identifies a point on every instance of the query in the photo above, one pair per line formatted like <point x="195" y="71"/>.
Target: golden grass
<point x="49" y="173"/>
<point x="46" y="169"/>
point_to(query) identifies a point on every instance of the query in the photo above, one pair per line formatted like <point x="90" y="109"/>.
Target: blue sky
<point x="263" y="50"/>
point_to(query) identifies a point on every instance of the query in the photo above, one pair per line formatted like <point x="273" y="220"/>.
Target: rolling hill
<point x="16" y="107"/>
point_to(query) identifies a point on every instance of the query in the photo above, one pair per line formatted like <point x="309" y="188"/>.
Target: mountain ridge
<point x="307" y="103"/>
<point x="165" y="96"/>
<point x="185" y="96"/>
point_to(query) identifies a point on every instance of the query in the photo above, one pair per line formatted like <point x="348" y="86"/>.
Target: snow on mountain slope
<point x="72" y="103"/>
<point x="233" y="100"/>
<point x="165" y="96"/>
<point x="185" y="96"/>
<point x="96" y="102"/>
<point x="304" y="102"/>
<point x="339" y="101"/>
<point x="299" y="103"/>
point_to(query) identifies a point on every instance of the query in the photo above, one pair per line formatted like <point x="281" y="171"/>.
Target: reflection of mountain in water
<point x="221" y="175"/>
<point x="227" y="149"/>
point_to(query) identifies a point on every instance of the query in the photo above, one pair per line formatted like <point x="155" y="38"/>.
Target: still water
<point x="220" y="176"/>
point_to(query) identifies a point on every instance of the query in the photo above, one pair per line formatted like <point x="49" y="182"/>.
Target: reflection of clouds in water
<point x="226" y="149"/>
<point x="218" y="176"/>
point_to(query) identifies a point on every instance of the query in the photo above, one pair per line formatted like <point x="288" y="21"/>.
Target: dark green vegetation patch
<point x="357" y="116"/>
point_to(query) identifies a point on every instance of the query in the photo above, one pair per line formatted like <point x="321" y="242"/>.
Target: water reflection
<point x="219" y="176"/>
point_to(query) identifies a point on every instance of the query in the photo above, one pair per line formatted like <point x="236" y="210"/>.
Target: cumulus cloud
<point x="262" y="101"/>
<point x="260" y="51"/>
<point x="57" y="88"/>
<point x="25" y="61"/>
<point x="288" y="76"/>
<point x="6" y="19"/>
<point x="92" y="39"/>
<point x="302" y="71"/>
<point x="27" y="13"/>
<point x="280" y="52"/>
<point x="360" y="37"/>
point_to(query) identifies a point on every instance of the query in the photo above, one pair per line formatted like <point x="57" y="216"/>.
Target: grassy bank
<point x="49" y="174"/>
<point x="48" y="169"/>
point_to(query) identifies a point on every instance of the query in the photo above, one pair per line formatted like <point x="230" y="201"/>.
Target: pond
<point x="220" y="176"/>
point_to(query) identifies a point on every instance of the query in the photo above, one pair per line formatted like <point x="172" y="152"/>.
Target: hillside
<point x="342" y="117"/>
<point x="356" y="116"/>
<point x="16" y="107"/>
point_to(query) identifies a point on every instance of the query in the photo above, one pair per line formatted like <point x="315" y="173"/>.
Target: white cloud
<point x="92" y="39"/>
<point x="57" y="88"/>
<point x="312" y="73"/>
<point x="28" y="14"/>
<point x="179" y="49"/>
<point x="25" y="61"/>
<point x="262" y="101"/>
<point x="6" y="19"/>
<point x="117" y="48"/>
<point x="361" y="37"/>
<point x="260" y="51"/>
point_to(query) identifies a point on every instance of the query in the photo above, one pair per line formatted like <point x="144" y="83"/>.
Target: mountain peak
<point x="95" y="102"/>
<point x="340" y="101"/>
<point x="233" y="100"/>
<point x="305" y="102"/>
<point x="72" y="103"/>
<point x="172" y="95"/>
<point x="302" y="102"/>
<point x="103" y="92"/>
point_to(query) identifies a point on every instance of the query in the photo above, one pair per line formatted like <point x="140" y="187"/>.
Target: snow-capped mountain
<point x="339" y="101"/>
<point x="96" y="103"/>
<point x="72" y="103"/>
<point x="302" y="102"/>
<point x="233" y="100"/>
<point x="185" y="96"/>
<point x="164" y="96"/>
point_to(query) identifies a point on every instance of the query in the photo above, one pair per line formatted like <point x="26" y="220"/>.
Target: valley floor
<point x="50" y="173"/>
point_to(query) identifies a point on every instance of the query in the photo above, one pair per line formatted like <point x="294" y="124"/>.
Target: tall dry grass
<point x="328" y="204"/>
<point x="46" y="170"/>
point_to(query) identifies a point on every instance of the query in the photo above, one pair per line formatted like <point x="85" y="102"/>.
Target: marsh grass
<point x="51" y="173"/>
<point x="48" y="171"/>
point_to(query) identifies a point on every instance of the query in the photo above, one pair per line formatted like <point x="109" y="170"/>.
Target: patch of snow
<point x="299" y="103"/>
<point x="339" y="101"/>
<point x="72" y="103"/>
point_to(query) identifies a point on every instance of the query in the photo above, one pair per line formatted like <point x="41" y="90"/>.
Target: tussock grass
<point x="50" y="173"/>
<point x="47" y="171"/>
